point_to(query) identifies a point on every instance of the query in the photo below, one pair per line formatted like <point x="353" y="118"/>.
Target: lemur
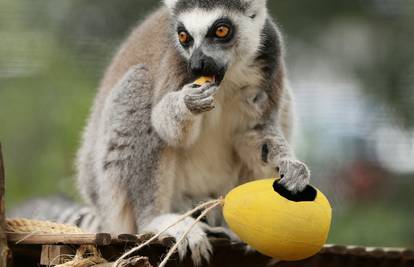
<point x="156" y="145"/>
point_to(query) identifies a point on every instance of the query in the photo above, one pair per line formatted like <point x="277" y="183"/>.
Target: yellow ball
<point x="262" y="215"/>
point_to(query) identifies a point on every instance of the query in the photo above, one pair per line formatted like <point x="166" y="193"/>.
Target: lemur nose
<point x="197" y="67"/>
<point x="202" y="65"/>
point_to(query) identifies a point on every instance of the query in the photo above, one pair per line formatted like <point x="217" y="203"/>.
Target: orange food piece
<point x="203" y="80"/>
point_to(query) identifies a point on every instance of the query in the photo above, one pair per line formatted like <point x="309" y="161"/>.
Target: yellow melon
<point x="275" y="222"/>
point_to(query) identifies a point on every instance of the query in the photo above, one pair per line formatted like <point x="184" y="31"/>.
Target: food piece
<point x="203" y="80"/>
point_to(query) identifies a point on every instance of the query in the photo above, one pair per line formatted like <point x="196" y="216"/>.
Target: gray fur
<point x="236" y="5"/>
<point x="42" y="209"/>
<point x="232" y="5"/>
<point x="59" y="210"/>
<point x="155" y="146"/>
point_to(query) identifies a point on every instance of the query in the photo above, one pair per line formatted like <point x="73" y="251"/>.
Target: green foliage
<point x="373" y="224"/>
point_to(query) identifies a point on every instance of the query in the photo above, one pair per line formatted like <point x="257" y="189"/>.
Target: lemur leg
<point x="123" y="162"/>
<point x="137" y="167"/>
<point x="177" y="117"/>
<point x="162" y="215"/>
<point x="266" y="152"/>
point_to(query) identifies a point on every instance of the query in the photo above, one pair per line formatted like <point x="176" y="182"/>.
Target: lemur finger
<point x="204" y="93"/>
<point x="182" y="249"/>
<point x="293" y="182"/>
<point x="199" y="102"/>
<point x="295" y="175"/>
<point x="211" y="91"/>
<point x="198" y="89"/>
<point x="206" y="101"/>
<point x="294" y="187"/>
<point x="199" y="96"/>
<point x="200" y="248"/>
<point x="199" y="106"/>
<point x="206" y="104"/>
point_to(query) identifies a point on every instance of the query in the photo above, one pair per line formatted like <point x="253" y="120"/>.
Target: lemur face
<point x="213" y="35"/>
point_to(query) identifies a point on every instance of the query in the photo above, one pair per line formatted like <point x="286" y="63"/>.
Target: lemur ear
<point x="170" y="3"/>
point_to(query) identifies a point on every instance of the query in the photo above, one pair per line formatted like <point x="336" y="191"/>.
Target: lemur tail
<point x="60" y="210"/>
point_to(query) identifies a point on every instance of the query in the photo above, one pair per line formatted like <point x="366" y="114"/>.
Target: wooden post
<point x="4" y="250"/>
<point x="55" y="255"/>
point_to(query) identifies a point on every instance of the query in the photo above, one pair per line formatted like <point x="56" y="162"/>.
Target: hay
<point x="86" y="255"/>
<point x="39" y="227"/>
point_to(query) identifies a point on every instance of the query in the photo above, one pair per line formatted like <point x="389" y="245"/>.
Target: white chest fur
<point x="211" y="167"/>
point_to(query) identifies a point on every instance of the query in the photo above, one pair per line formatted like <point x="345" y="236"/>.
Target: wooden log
<point x="4" y="250"/>
<point x="133" y="262"/>
<point x="124" y="239"/>
<point x="101" y="239"/>
<point x="56" y="254"/>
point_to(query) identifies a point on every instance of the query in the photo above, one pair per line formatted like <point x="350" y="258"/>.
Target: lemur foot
<point x="295" y="175"/>
<point x="220" y="232"/>
<point x="196" y="241"/>
<point x="199" y="99"/>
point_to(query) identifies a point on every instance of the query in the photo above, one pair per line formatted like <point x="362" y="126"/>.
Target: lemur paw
<point x="196" y="241"/>
<point x="199" y="99"/>
<point x="295" y="175"/>
<point x="220" y="232"/>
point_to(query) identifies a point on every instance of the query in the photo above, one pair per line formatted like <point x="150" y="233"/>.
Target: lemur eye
<point x="183" y="37"/>
<point x="222" y="31"/>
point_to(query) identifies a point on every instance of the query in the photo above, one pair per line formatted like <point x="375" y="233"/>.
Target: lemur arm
<point x="177" y="117"/>
<point x="266" y="152"/>
<point x="132" y="188"/>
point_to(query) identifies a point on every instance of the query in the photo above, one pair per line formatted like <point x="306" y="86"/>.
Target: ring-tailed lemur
<point x="156" y="145"/>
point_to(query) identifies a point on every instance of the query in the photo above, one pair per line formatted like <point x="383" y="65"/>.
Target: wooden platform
<point x="45" y="248"/>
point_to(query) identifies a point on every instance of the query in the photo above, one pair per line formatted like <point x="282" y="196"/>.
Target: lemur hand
<point x="295" y="175"/>
<point x="196" y="241"/>
<point x="199" y="99"/>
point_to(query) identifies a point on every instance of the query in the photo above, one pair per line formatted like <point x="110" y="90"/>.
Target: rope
<point x="207" y="207"/>
<point x="199" y="218"/>
<point x="39" y="227"/>
<point x="86" y="255"/>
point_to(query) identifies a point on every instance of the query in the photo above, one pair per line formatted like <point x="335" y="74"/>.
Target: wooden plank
<point x="101" y="239"/>
<point x="4" y="250"/>
<point x="133" y="262"/>
<point x="124" y="239"/>
<point x="56" y="254"/>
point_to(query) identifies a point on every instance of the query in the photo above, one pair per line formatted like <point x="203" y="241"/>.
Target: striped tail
<point x="60" y="210"/>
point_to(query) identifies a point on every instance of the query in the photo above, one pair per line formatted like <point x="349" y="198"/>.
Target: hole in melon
<point x="307" y="195"/>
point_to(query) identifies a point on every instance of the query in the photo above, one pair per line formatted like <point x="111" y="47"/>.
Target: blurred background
<point x="351" y="66"/>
